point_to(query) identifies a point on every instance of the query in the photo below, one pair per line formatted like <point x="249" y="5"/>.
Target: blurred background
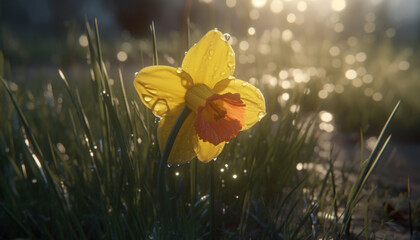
<point x="353" y="59"/>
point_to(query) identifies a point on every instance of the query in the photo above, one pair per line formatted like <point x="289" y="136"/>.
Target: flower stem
<point x="193" y="193"/>
<point x="212" y="209"/>
<point x="164" y="215"/>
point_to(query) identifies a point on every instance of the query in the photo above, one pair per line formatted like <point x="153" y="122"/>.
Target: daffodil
<point x="220" y="104"/>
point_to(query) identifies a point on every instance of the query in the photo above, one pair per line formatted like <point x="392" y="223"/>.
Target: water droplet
<point x="231" y="65"/>
<point x="186" y="79"/>
<point x="261" y="115"/>
<point x="244" y="84"/>
<point x="160" y="107"/>
<point x="231" y="78"/>
<point x="179" y="70"/>
<point x="92" y="168"/>
<point x="147" y="98"/>
<point x="227" y="36"/>
<point x="135" y="74"/>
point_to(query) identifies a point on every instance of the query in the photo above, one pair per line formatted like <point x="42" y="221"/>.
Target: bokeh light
<point x="122" y="56"/>
<point x="83" y="40"/>
<point x="276" y="6"/>
<point x="259" y="3"/>
<point x="230" y="3"/>
<point x="338" y="5"/>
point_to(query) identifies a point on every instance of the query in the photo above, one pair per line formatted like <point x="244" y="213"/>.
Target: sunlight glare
<point x="285" y="96"/>
<point x="244" y="45"/>
<point x="351" y="74"/>
<point x="230" y="3"/>
<point x="338" y="5"/>
<point x="302" y="6"/>
<point x="259" y="3"/>
<point x="325" y="116"/>
<point x="323" y="94"/>
<point x="334" y="51"/>
<point x="404" y="65"/>
<point x="291" y="18"/>
<point x="254" y="14"/>
<point x="283" y="74"/>
<point x="276" y="6"/>
<point x="274" y="117"/>
<point x="377" y="96"/>
<point x="287" y="35"/>
<point x="122" y="56"/>
<point x="83" y="40"/>
<point x="251" y="31"/>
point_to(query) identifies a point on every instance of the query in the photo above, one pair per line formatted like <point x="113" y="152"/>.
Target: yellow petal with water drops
<point x="207" y="151"/>
<point x="210" y="60"/>
<point x="250" y="95"/>
<point x="182" y="150"/>
<point x="160" y="88"/>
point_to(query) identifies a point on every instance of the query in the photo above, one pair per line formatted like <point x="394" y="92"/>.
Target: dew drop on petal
<point x="261" y="115"/>
<point x="160" y="107"/>
<point x="147" y="98"/>
<point x="244" y="84"/>
<point x="227" y="36"/>
<point x="231" y="65"/>
<point x="179" y="70"/>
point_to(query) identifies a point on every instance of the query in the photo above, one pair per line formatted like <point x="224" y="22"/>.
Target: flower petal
<point x="207" y="151"/>
<point x="221" y="118"/>
<point x="182" y="150"/>
<point x="160" y="88"/>
<point x="250" y="95"/>
<point x="210" y="60"/>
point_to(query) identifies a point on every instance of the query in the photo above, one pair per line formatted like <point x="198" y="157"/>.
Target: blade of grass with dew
<point x="366" y="171"/>
<point x="32" y="145"/>
<point x="85" y="125"/>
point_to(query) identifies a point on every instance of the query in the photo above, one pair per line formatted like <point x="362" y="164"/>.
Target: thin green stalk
<point x="163" y="194"/>
<point x="212" y="209"/>
<point x="410" y="217"/>
<point x="32" y="145"/>
<point x="193" y="165"/>
<point x="368" y="167"/>
<point x="193" y="191"/>
<point x="155" y="55"/>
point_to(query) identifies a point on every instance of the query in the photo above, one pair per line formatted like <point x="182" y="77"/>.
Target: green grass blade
<point x="154" y="42"/>
<point x="367" y="169"/>
<point x="30" y="141"/>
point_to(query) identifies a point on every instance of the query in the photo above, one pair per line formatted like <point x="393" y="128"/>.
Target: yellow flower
<point x="220" y="104"/>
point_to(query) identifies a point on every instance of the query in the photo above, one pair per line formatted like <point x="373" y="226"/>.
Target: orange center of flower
<point x="219" y="117"/>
